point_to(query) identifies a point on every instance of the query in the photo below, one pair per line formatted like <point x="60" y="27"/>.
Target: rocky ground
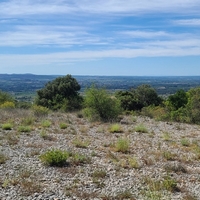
<point x="140" y="159"/>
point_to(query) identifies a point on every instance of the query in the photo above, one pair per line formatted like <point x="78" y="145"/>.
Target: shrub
<point x="40" y="111"/>
<point x="7" y="105"/>
<point x="54" y="157"/>
<point x="5" y="97"/>
<point x="29" y="120"/>
<point x="24" y="129"/>
<point x="99" y="174"/>
<point x="3" y="158"/>
<point x="122" y="145"/>
<point x="185" y="142"/>
<point x="63" y="125"/>
<point x="7" y="126"/>
<point x="46" y="123"/>
<point x="100" y="105"/>
<point x="78" y="159"/>
<point x="79" y="143"/>
<point x="141" y="129"/>
<point x="115" y="128"/>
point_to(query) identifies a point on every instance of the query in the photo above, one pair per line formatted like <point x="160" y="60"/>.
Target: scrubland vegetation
<point x="129" y="145"/>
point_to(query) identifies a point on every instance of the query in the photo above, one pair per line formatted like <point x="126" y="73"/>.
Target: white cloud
<point x="175" y="48"/>
<point x="131" y="7"/>
<point x="188" y="22"/>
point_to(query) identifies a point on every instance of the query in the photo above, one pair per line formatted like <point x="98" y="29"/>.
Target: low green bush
<point x="7" y="105"/>
<point x="54" y="157"/>
<point x="7" y="126"/>
<point x="141" y="129"/>
<point x="122" y="145"/>
<point x="24" y="129"/>
<point x="115" y="128"/>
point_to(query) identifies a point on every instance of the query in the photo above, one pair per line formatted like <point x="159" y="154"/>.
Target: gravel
<point x="159" y="156"/>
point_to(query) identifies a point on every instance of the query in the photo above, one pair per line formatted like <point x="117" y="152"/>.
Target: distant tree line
<point x="97" y="104"/>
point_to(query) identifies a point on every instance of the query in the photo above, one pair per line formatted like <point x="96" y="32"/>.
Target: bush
<point x="54" y="157"/>
<point x="122" y="145"/>
<point x="63" y="125"/>
<point x="60" y="94"/>
<point x="7" y="126"/>
<point x="5" y="97"/>
<point x="141" y="129"/>
<point x="136" y="99"/>
<point x="115" y="128"/>
<point x="24" y="129"/>
<point x="40" y="111"/>
<point x="7" y="105"/>
<point x="100" y="105"/>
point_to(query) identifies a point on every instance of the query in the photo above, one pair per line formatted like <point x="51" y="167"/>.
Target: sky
<point x="101" y="37"/>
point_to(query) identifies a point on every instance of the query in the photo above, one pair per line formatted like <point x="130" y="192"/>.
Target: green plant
<point x="166" y="136"/>
<point x="122" y="145"/>
<point x="40" y="111"/>
<point x="3" y="158"/>
<point x="141" y="128"/>
<point x="7" y="105"/>
<point x="99" y="105"/>
<point x="54" y="157"/>
<point x="77" y="159"/>
<point x="133" y="163"/>
<point x="7" y="126"/>
<point x="99" y="174"/>
<point x="44" y="135"/>
<point x="5" y="97"/>
<point x="46" y="123"/>
<point x="185" y="142"/>
<point x="115" y="128"/>
<point x="63" y="125"/>
<point x="29" y="120"/>
<point x="61" y="93"/>
<point x="168" y="155"/>
<point x="169" y="184"/>
<point x="25" y="129"/>
<point x="80" y="143"/>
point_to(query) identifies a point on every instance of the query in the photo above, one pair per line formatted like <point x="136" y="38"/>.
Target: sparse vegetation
<point x="46" y="123"/>
<point x="24" y="129"/>
<point x="63" y="125"/>
<point x="122" y="145"/>
<point x="115" y="128"/>
<point x="54" y="157"/>
<point x="3" y="158"/>
<point x="168" y="155"/>
<point x="141" y="128"/>
<point x="7" y="126"/>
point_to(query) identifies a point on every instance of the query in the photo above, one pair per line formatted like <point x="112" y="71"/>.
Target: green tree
<point x="100" y="105"/>
<point x="61" y="93"/>
<point x="193" y="106"/>
<point x="177" y="100"/>
<point x="5" y="97"/>
<point x="136" y="99"/>
<point x="147" y="96"/>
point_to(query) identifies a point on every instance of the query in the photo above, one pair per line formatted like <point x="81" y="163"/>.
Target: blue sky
<point x="102" y="37"/>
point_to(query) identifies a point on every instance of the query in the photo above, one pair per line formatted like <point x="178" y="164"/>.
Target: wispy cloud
<point x="188" y="22"/>
<point x="131" y="7"/>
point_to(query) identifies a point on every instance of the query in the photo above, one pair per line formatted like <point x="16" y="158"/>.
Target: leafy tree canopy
<point x="61" y="93"/>
<point x="5" y="97"/>
<point x="136" y="99"/>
